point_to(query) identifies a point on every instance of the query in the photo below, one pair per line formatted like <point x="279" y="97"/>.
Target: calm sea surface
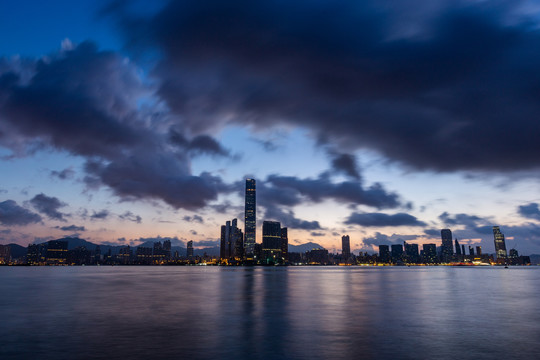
<point x="269" y="313"/>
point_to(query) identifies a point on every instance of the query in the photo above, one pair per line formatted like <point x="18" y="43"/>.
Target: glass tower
<point x="250" y="219"/>
<point x="500" y="245"/>
<point x="447" y="249"/>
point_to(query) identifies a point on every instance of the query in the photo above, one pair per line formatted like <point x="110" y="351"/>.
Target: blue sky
<point x="120" y="122"/>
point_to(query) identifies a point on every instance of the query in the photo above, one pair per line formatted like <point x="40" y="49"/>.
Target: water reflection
<point x="269" y="313"/>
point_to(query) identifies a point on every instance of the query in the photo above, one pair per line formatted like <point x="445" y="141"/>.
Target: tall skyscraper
<point x="397" y="253"/>
<point x="231" y="242"/>
<point x="250" y="218"/>
<point x="189" y="250"/>
<point x="384" y="254"/>
<point x="447" y="250"/>
<point x="500" y="245"/>
<point x="346" y="247"/>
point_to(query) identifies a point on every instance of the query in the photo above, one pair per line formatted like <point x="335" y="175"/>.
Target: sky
<point x="122" y="121"/>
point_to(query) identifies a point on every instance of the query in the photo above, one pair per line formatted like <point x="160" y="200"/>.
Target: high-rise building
<point x="500" y="245"/>
<point x="345" y="247"/>
<point x="272" y="250"/>
<point x="231" y="242"/>
<point x="5" y="254"/>
<point x="284" y="245"/>
<point x="447" y="250"/>
<point x="384" y="254"/>
<point x="429" y="253"/>
<point x="411" y="252"/>
<point x="471" y="251"/>
<point x="458" y="248"/>
<point x="57" y="251"/>
<point x="397" y="253"/>
<point x="189" y="250"/>
<point x="250" y="218"/>
<point x="167" y="249"/>
<point x="479" y="250"/>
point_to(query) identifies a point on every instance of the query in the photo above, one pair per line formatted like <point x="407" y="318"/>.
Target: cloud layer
<point x="434" y="87"/>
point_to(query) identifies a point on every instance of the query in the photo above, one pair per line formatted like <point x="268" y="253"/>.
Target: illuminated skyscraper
<point x="500" y="245"/>
<point x="250" y="218"/>
<point x="447" y="250"/>
<point x="272" y="251"/>
<point x="346" y="247"/>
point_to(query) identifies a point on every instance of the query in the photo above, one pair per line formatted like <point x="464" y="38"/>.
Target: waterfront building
<point x="189" y="250"/>
<point x="167" y="249"/>
<point x="284" y="245"/>
<point x="250" y="218"/>
<point x="345" y="247"/>
<point x="471" y="251"/>
<point x="458" y="248"/>
<point x="57" y="252"/>
<point x="500" y="245"/>
<point x="5" y="254"/>
<point x="384" y="254"/>
<point x="447" y="251"/>
<point x="231" y="241"/>
<point x="397" y="253"/>
<point x="429" y="253"/>
<point x="143" y="255"/>
<point x="411" y="252"/>
<point x="479" y="251"/>
<point x="272" y="244"/>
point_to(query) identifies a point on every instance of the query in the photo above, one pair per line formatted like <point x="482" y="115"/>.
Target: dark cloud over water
<point x="435" y="86"/>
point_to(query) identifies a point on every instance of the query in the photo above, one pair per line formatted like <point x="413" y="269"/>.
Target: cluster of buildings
<point x="409" y="253"/>
<point x="56" y="252"/>
<point x="239" y="247"/>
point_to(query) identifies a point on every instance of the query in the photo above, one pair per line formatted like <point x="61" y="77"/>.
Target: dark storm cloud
<point x="13" y="214"/>
<point x="49" y="205"/>
<point x="194" y="218"/>
<point x="201" y="144"/>
<point x="288" y="219"/>
<point x="321" y="188"/>
<point x="128" y="215"/>
<point x="64" y="174"/>
<point x="100" y="215"/>
<point x="88" y="102"/>
<point x="434" y="87"/>
<point x="531" y="211"/>
<point x="71" y="228"/>
<point x="346" y="164"/>
<point x="381" y="219"/>
<point x="460" y="219"/>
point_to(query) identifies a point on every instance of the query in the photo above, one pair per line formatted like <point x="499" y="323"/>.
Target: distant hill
<point x="302" y="248"/>
<point x="535" y="259"/>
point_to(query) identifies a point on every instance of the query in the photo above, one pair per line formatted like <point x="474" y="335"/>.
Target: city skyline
<point x="383" y="123"/>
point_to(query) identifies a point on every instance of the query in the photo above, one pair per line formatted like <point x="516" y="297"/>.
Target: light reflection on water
<point x="269" y="313"/>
